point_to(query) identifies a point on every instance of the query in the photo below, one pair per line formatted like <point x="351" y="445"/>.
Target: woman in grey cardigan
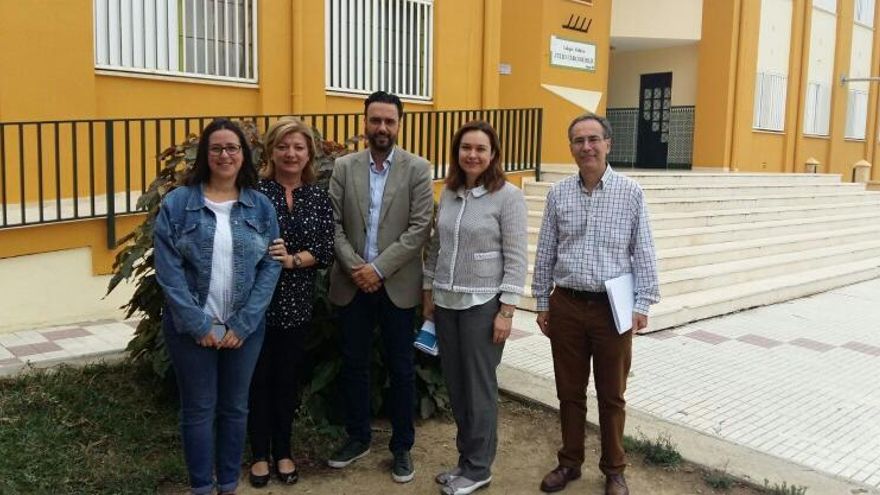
<point x="473" y="277"/>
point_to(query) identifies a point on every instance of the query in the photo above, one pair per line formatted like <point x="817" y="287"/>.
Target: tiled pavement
<point x="798" y="381"/>
<point x="75" y="342"/>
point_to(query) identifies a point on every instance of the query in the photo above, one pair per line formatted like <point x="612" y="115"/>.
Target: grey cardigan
<point x="479" y="242"/>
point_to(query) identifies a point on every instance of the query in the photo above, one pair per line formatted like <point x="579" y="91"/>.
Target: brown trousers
<point x="582" y="329"/>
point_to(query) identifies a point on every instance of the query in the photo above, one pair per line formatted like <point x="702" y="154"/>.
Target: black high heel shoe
<point x="287" y="478"/>
<point x="257" y="480"/>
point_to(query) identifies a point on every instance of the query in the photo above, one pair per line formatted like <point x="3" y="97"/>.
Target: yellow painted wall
<point x="628" y="66"/>
<point x="527" y="51"/>
<point x="716" y="84"/>
<point x="728" y="52"/>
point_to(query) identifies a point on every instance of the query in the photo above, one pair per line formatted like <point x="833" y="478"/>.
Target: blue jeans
<point x="358" y="319"/>
<point x="213" y="388"/>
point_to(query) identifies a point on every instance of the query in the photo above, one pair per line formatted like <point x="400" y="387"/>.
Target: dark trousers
<point x="358" y="319"/>
<point x="469" y="360"/>
<point x="213" y="388"/>
<point x="274" y="392"/>
<point x="582" y="330"/>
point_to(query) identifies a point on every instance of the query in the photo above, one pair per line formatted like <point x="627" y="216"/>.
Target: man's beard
<point x="375" y="145"/>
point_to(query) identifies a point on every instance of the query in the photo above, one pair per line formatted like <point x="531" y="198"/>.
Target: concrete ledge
<point x="741" y="462"/>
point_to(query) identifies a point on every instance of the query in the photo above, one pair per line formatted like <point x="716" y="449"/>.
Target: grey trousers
<point x="469" y="359"/>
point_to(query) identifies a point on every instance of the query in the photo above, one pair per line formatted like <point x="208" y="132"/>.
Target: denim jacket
<point x="183" y="244"/>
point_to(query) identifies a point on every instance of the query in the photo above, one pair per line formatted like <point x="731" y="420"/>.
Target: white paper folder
<point x="622" y="296"/>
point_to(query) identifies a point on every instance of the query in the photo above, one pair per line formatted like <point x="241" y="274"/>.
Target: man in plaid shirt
<point x="595" y="228"/>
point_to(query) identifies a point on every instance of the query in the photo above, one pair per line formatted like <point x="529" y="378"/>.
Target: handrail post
<point x="111" y="193"/>
<point x="540" y="136"/>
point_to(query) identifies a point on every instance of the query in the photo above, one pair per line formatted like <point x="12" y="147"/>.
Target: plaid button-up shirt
<point x="589" y="237"/>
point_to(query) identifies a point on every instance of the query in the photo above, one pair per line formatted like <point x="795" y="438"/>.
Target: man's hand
<point x="366" y="278"/>
<point x="544" y="322"/>
<point x="640" y="321"/>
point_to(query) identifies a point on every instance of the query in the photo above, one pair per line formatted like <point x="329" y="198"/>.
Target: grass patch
<point x="719" y="479"/>
<point x="660" y="452"/>
<point x="783" y="489"/>
<point x="106" y="428"/>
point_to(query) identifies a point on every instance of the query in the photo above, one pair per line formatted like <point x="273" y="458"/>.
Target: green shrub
<point x="719" y="479"/>
<point x="660" y="452"/>
<point x="783" y="489"/>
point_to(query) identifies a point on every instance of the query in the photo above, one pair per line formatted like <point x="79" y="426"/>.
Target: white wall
<point x="675" y="19"/>
<point x="42" y="290"/>
<point x="628" y="66"/>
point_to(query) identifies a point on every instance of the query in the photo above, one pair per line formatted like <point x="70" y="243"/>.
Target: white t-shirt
<point x="219" y="301"/>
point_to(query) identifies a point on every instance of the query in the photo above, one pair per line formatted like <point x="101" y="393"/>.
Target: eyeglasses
<point x="231" y="150"/>
<point x="583" y="140"/>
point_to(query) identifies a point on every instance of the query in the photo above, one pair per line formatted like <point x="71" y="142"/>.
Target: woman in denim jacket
<point x="473" y="276"/>
<point x="211" y="242"/>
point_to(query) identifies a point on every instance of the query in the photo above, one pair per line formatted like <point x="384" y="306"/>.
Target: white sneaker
<point x="447" y="476"/>
<point x="462" y="486"/>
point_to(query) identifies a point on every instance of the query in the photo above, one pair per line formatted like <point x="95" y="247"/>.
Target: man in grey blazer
<point x="382" y="205"/>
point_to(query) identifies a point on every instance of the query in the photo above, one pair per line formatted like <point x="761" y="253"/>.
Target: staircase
<point x="731" y="241"/>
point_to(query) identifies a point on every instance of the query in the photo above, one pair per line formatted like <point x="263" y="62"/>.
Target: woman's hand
<point x="502" y="324"/>
<point x="208" y="340"/>
<point x="278" y="251"/>
<point x="230" y="340"/>
<point x="428" y="305"/>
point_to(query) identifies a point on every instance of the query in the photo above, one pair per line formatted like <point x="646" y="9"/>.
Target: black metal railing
<point x="625" y="126"/>
<point x="52" y="171"/>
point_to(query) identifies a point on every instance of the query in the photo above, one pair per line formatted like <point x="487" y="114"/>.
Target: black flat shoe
<point x="257" y="480"/>
<point x="287" y="478"/>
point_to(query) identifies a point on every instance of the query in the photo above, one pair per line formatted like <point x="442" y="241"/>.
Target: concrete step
<point x="746" y="251"/>
<point x="671" y="238"/>
<point x="685" y="308"/>
<point x="722" y="190"/>
<point x="678" y="310"/>
<point x="706" y="218"/>
<point x="704" y="277"/>
<point x="706" y="254"/>
<point x="694" y="236"/>
<point x="556" y="172"/>
<point x="653" y="192"/>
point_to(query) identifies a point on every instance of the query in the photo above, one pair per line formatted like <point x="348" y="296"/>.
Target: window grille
<point x="213" y="39"/>
<point x="856" y="114"/>
<point x="864" y="12"/>
<point x="770" y="101"/>
<point x="380" y="44"/>
<point x="817" y="109"/>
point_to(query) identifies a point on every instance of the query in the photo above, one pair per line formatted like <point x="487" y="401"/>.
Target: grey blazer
<point x="404" y="225"/>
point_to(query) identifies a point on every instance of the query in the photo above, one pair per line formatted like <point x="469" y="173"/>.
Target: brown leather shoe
<point x="615" y="484"/>
<point x="557" y="479"/>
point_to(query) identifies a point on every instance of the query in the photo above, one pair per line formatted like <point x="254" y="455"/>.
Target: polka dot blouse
<point x="308" y="226"/>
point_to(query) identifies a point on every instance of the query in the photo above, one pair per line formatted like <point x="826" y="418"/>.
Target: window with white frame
<point x="856" y="114"/>
<point x="820" y="70"/>
<point x="817" y="109"/>
<point x="861" y="55"/>
<point x="380" y="44"/>
<point x="864" y="12"/>
<point x="211" y="39"/>
<point x="826" y="5"/>
<point x="771" y="80"/>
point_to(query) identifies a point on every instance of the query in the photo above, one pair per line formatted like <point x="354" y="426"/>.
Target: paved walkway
<point x="798" y="381"/>
<point x="789" y="392"/>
